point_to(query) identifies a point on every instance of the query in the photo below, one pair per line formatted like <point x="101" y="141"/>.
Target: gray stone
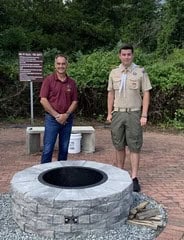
<point x="67" y="213"/>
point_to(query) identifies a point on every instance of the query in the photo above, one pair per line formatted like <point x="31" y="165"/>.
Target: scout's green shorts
<point x="126" y="130"/>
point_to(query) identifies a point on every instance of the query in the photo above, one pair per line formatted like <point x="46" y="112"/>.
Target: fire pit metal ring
<point x="64" y="212"/>
<point x="74" y="177"/>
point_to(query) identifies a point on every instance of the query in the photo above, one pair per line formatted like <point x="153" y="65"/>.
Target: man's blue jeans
<point x="52" y="129"/>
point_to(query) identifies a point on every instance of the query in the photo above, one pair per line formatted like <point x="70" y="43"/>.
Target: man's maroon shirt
<point x="59" y="94"/>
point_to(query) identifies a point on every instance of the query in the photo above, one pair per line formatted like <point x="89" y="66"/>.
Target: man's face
<point x="126" y="57"/>
<point x="61" y="65"/>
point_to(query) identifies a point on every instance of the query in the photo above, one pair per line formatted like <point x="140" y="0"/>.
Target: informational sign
<point x="30" y="66"/>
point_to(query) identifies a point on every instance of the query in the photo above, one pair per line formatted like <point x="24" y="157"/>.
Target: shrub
<point x="91" y="74"/>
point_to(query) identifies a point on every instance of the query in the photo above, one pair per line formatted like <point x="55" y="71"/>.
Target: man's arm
<point x="110" y="104"/>
<point x="72" y="107"/>
<point x="48" y="108"/>
<point x="61" y="118"/>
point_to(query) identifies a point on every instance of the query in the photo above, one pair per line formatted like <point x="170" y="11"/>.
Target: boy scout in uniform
<point x="128" y="102"/>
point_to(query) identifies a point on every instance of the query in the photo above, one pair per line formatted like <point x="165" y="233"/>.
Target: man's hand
<point x="61" y="118"/>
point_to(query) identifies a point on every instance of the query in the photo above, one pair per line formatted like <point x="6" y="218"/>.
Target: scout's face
<point x="126" y="57"/>
<point x="61" y="65"/>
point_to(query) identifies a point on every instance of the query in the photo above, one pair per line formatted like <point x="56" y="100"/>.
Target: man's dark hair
<point x="61" y="55"/>
<point x="127" y="46"/>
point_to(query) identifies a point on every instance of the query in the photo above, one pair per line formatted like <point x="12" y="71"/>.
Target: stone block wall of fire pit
<point x="64" y="214"/>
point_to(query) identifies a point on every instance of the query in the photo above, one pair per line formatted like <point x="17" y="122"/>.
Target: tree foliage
<point x="171" y="34"/>
<point x="91" y="74"/>
<point x="87" y="31"/>
<point x="77" y="25"/>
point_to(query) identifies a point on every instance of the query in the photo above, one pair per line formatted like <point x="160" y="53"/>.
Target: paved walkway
<point x="161" y="169"/>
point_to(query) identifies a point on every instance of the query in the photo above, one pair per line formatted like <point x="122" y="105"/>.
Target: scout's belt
<point x="126" y="109"/>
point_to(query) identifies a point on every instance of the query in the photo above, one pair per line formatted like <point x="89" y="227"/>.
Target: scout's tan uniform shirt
<point x="136" y="82"/>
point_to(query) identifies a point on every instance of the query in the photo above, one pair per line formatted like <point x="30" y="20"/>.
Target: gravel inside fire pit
<point x="9" y="230"/>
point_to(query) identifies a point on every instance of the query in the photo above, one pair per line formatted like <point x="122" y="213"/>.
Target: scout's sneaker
<point x="136" y="186"/>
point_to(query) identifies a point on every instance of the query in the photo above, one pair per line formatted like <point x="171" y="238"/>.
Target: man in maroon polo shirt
<point x="58" y="96"/>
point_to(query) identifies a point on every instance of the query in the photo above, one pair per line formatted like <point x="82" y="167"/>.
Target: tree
<point x="172" y="32"/>
<point x="140" y="23"/>
<point x="70" y="26"/>
<point x="93" y="25"/>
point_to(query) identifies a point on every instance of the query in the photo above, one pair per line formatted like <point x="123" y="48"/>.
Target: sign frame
<point x="31" y="66"/>
<point x="31" y="70"/>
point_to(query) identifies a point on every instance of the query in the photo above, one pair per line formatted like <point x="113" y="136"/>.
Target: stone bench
<point x="33" y="138"/>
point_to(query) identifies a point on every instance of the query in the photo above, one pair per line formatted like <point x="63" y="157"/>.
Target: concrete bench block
<point x="33" y="138"/>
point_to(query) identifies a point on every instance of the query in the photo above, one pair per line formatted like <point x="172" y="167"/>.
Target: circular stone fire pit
<point x="65" y="199"/>
<point x="72" y="177"/>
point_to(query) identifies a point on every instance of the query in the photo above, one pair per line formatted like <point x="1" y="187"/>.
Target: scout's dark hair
<point x="127" y="46"/>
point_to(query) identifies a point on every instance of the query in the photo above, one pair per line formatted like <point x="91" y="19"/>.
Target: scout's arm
<point x="110" y="103"/>
<point x="145" y="106"/>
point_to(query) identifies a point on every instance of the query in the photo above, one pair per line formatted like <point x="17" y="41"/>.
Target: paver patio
<point x="161" y="171"/>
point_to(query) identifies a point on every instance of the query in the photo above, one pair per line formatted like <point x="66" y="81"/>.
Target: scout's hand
<point x="109" y="118"/>
<point x="143" y="121"/>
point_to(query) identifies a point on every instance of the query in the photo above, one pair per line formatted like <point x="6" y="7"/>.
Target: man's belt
<point x="126" y="109"/>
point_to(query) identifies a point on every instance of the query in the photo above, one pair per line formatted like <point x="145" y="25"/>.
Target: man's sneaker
<point x="136" y="185"/>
